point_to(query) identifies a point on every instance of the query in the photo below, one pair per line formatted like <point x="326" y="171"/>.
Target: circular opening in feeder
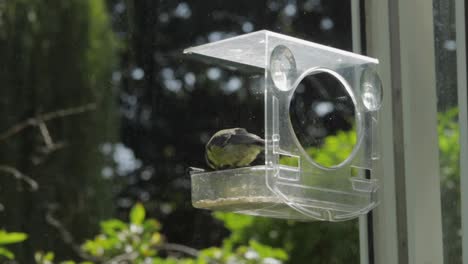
<point x="282" y="67"/>
<point x="323" y="116"/>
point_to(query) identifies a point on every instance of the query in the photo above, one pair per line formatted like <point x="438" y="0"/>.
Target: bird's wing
<point x="246" y="138"/>
<point x="220" y="140"/>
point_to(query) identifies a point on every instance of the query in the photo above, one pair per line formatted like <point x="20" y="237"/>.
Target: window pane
<point x="101" y="112"/>
<point x="448" y="127"/>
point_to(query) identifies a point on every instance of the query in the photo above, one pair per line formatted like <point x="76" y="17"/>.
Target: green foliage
<point x="312" y="242"/>
<point x="11" y="238"/>
<point x="7" y="238"/>
<point x="140" y="241"/>
<point x="449" y="145"/>
<point x="137" y="214"/>
<point x="449" y="160"/>
<point x="141" y="237"/>
<point x="335" y="149"/>
<point x="6" y="253"/>
<point x="254" y="253"/>
<point x="49" y="258"/>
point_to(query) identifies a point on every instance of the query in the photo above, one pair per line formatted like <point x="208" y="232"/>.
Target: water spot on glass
<point x="311" y="5"/>
<point x="215" y="36"/>
<point x="167" y="73"/>
<point x="144" y="196"/>
<point x="107" y="172"/>
<point x="290" y="10"/>
<point x="119" y="8"/>
<point x="326" y="23"/>
<point x="145" y="115"/>
<point x="323" y="108"/>
<point x="282" y="68"/>
<point x="179" y="169"/>
<point x="166" y="208"/>
<point x="116" y="76"/>
<point x="213" y="73"/>
<point x="189" y="78"/>
<point x="450" y="45"/>
<point x="169" y="151"/>
<point x="247" y="27"/>
<point x="204" y="137"/>
<point x="300" y="88"/>
<point x="129" y="99"/>
<point x="32" y="16"/>
<point x="173" y="85"/>
<point x="273" y="6"/>
<point x="106" y="148"/>
<point x="164" y="17"/>
<point x="273" y="234"/>
<point x="147" y="174"/>
<point x="124" y="202"/>
<point x="137" y="74"/>
<point x="371" y="90"/>
<point x="183" y="11"/>
<point x="232" y="85"/>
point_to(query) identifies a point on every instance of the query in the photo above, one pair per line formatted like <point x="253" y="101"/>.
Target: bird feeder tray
<point x="303" y="189"/>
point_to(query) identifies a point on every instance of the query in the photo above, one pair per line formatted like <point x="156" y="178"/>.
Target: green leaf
<point x="113" y="226"/>
<point x="11" y="238"/>
<point x="6" y="253"/>
<point x="234" y="221"/>
<point x="152" y="225"/>
<point x="266" y="251"/>
<point x="49" y="256"/>
<point x="137" y="214"/>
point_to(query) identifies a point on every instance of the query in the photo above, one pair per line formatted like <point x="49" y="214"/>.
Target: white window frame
<point x="407" y="226"/>
<point x="460" y="23"/>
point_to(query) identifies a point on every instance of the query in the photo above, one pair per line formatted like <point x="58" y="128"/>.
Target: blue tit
<point x="233" y="148"/>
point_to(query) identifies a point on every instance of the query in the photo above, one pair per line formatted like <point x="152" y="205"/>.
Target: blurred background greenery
<point x="97" y="107"/>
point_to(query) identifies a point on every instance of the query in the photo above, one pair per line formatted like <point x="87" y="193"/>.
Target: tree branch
<point x="179" y="248"/>
<point x="131" y="256"/>
<point x="123" y="258"/>
<point x="67" y="237"/>
<point x="20" y="176"/>
<point x="42" y="118"/>
<point x="46" y="135"/>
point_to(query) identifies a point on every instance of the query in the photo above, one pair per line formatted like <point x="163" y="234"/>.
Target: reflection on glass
<point x="322" y="115"/>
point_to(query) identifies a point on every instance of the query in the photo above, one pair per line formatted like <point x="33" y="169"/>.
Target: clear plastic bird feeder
<point x="306" y="100"/>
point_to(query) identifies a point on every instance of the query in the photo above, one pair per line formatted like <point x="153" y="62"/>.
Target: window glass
<point x="448" y="127"/>
<point x="102" y="115"/>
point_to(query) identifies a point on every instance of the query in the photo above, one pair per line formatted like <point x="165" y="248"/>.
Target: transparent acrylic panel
<point x="298" y="186"/>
